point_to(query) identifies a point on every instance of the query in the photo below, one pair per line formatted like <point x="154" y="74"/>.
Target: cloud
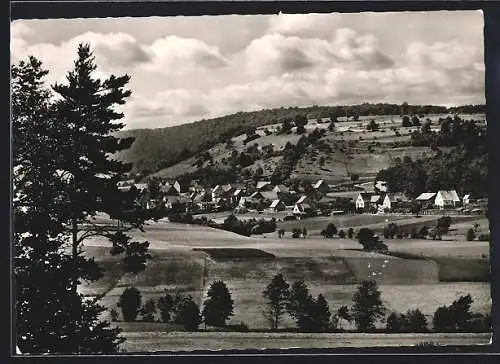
<point x="175" y="54"/>
<point x="278" y="54"/>
<point x="304" y="25"/>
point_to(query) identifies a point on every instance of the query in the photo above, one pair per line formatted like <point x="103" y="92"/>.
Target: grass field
<point x="426" y="277"/>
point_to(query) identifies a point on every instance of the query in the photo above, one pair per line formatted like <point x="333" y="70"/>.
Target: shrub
<point x="350" y="233"/>
<point x="369" y="240"/>
<point x="114" y="315"/>
<point x="484" y="237"/>
<point x="341" y="234"/>
<point x="470" y="235"/>
<point x="455" y="317"/>
<point x="166" y="306"/>
<point x="148" y="310"/>
<point x="130" y="303"/>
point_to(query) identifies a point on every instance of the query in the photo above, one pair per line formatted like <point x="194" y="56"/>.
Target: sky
<point x="185" y="69"/>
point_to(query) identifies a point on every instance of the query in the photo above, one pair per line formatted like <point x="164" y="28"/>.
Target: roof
<point x="449" y="195"/>
<point x="237" y="192"/>
<point x="466" y="197"/>
<point x="275" y="203"/>
<point x="255" y="194"/>
<point x="141" y="186"/>
<point x="318" y="184"/>
<point x="301" y="199"/>
<point x="426" y="196"/>
<point x="397" y="197"/>
<point x="269" y="195"/>
<point x="303" y="206"/>
<point x="374" y="198"/>
<point x="281" y="188"/>
<point x="365" y="196"/>
<point x="261" y="184"/>
<point x="227" y="188"/>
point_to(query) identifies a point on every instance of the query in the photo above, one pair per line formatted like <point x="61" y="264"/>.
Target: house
<point x="236" y="195"/>
<point x="446" y="199"/>
<point x="381" y="186"/>
<point x="426" y="199"/>
<point x="264" y="186"/>
<point x="170" y="189"/>
<point x="321" y="187"/>
<point x="221" y="191"/>
<point x="364" y="200"/>
<point x="128" y="183"/>
<point x="179" y="203"/>
<point x="466" y="200"/>
<point x="391" y="200"/>
<point x="303" y="199"/>
<point x="141" y="187"/>
<point x="203" y="200"/>
<point x="277" y="205"/>
<point x="302" y="209"/>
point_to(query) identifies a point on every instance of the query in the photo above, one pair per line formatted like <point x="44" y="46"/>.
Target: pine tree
<point x="218" y="307"/>
<point x="301" y="306"/>
<point x="190" y="314"/>
<point x="277" y="296"/>
<point x="367" y="306"/>
<point x="321" y="314"/>
<point x="51" y="316"/>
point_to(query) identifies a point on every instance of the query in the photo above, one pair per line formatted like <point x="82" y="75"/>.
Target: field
<point x="422" y="274"/>
<point x="156" y="340"/>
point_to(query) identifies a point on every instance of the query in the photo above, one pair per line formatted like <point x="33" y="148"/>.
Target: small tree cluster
<point x="411" y="321"/>
<point x="330" y="231"/>
<point x="370" y="241"/>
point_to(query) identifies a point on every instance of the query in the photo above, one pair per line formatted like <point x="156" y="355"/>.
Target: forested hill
<point x="154" y="149"/>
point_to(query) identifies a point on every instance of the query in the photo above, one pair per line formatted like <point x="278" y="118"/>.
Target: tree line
<point x="310" y="314"/>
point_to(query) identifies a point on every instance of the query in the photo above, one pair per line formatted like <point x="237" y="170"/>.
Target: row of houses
<point x="262" y="195"/>
<point x="387" y="201"/>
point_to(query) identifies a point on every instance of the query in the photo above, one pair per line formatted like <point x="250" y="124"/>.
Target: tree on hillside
<point x="443" y="224"/>
<point x="148" y="310"/>
<point x="277" y="296"/>
<point x="369" y="240"/>
<point x="59" y="187"/>
<point x="367" y="306"/>
<point x="218" y="307"/>
<point x="165" y="306"/>
<point x="372" y="126"/>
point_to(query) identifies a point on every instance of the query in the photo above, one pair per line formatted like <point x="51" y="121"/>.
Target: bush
<point x="484" y="237"/>
<point x="114" y="315"/>
<point x="148" y="311"/>
<point x="453" y="318"/>
<point x="369" y="240"/>
<point x="350" y="233"/>
<point x="130" y="303"/>
<point x="341" y="234"/>
<point x="330" y="231"/>
<point x="166" y="306"/>
<point x="470" y="235"/>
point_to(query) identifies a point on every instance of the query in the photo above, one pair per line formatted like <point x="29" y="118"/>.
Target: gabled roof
<point x="262" y="184"/>
<point x="374" y="198"/>
<point x="301" y="199"/>
<point x="365" y="196"/>
<point x="275" y="203"/>
<point x="141" y="186"/>
<point x="426" y="196"/>
<point x="397" y="197"/>
<point x="318" y="184"/>
<point x="449" y="195"/>
<point x="237" y="192"/>
<point x="256" y="194"/>
<point x="466" y="197"/>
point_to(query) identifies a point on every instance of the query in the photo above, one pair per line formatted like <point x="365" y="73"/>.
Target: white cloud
<point x="273" y="61"/>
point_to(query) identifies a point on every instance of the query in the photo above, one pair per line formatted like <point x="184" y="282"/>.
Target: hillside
<point x="155" y="149"/>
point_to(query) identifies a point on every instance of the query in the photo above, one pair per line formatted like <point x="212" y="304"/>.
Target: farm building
<point x="170" y="189"/>
<point x="391" y="200"/>
<point x="426" y="199"/>
<point x="281" y="189"/>
<point x="466" y="200"/>
<point x="367" y="200"/>
<point x="446" y="199"/>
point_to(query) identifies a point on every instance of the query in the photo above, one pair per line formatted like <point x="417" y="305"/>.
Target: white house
<point x="446" y="199"/>
<point x="362" y="200"/>
<point x="302" y="209"/>
<point x="391" y="199"/>
<point x="466" y="200"/>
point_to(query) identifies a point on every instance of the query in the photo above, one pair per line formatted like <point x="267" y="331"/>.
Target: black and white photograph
<point x="249" y="182"/>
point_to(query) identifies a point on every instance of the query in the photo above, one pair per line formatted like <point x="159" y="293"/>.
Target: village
<point x="309" y="200"/>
